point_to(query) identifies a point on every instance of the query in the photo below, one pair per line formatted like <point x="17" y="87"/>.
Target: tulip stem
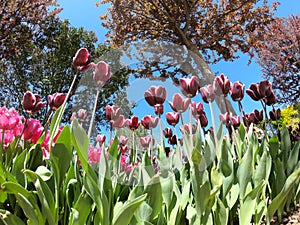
<point x="93" y="114"/>
<point x="214" y="130"/>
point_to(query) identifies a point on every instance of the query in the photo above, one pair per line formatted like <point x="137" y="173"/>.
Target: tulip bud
<point x="100" y="139"/>
<point x="56" y="100"/>
<point x="167" y="132"/>
<point x="221" y="85"/>
<point x="102" y="73"/>
<point x="159" y="109"/>
<point x="237" y="91"/>
<point x="82" y="59"/>
<point x="275" y="114"/>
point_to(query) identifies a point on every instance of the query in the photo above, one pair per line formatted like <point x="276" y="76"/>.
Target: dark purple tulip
<point x="203" y="120"/>
<point x="235" y="121"/>
<point x="32" y="102"/>
<point x="197" y="109"/>
<point x="237" y="91"/>
<point x="155" y="95"/>
<point x="265" y="88"/>
<point x="207" y="93"/>
<point x="172" y="118"/>
<point x="172" y="140"/>
<point x="253" y="92"/>
<point x="275" y="114"/>
<point x="221" y="85"/>
<point x="167" y="132"/>
<point x="189" y="86"/>
<point x="271" y="99"/>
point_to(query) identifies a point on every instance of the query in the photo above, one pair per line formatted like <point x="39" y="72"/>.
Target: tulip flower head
<point x="172" y="118"/>
<point x="81" y="60"/>
<point x="32" y="103"/>
<point x="179" y="104"/>
<point x="275" y="114"/>
<point x="189" y="86"/>
<point x="102" y="73"/>
<point x="155" y="95"/>
<point x="149" y="122"/>
<point x="167" y="132"/>
<point x="146" y="141"/>
<point x="8" y="118"/>
<point x="101" y="138"/>
<point x="56" y="100"/>
<point x="207" y="93"/>
<point x="237" y="91"/>
<point x="221" y="85"/>
<point x="133" y="123"/>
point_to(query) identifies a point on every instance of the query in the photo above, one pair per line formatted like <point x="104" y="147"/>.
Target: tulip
<point x="146" y="141"/>
<point x="149" y="122"/>
<point x="235" y="121"/>
<point x="265" y="88"/>
<point x="94" y="155"/>
<point x="179" y="104"/>
<point x="32" y="102"/>
<point x="254" y="93"/>
<point x="155" y="95"/>
<point x="133" y="123"/>
<point x="159" y="109"/>
<point x="8" y="118"/>
<point x="123" y="141"/>
<point x="186" y="128"/>
<point x="172" y="118"/>
<point x="32" y="129"/>
<point x="237" y="91"/>
<point x="271" y="99"/>
<point x="172" y="140"/>
<point x="167" y="132"/>
<point x="101" y="139"/>
<point x="82" y="114"/>
<point x="203" y="120"/>
<point x="275" y="114"/>
<point x="82" y="59"/>
<point x="225" y="118"/>
<point x="221" y="85"/>
<point x="189" y="86"/>
<point x="207" y="93"/>
<point x="102" y="73"/>
<point x="56" y="100"/>
<point x="118" y="123"/>
<point x="197" y="110"/>
<point x="112" y="112"/>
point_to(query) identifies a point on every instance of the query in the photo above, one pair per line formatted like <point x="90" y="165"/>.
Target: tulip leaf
<point x="123" y="214"/>
<point x="10" y="219"/>
<point x="81" y="210"/>
<point x="293" y="158"/>
<point x="274" y="146"/>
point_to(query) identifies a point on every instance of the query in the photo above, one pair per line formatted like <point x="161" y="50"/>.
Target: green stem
<point x="214" y="130"/>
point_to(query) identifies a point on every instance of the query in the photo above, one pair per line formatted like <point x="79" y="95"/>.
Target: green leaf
<point x="281" y="198"/>
<point x="221" y="213"/>
<point x="81" y="210"/>
<point x="262" y="170"/>
<point x="293" y="158"/>
<point x="274" y="146"/>
<point x="285" y="145"/>
<point x="143" y="213"/>
<point x="81" y="142"/>
<point x="167" y="189"/>
<point x="10" y="219"/>
<point x="44" y="173"/>
<point x="124" y="214"/>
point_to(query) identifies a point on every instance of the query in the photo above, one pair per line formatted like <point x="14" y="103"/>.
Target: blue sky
<point x="84" y="13"/>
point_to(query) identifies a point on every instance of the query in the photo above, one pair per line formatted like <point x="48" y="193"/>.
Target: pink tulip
<point x="221" y="85"/>
<point x="100" y="138"/>
<point x="149" y="122"/>
<point x="155" y="95"/>
<point x="32" y="130"/>
<point x="133" y="123"/>
<point x="189" y="86"/>
<point x="125" y="165"/>
<point x="146" y="141"/>
<point x="179" y="104"/>
<point x="118" y="122"/>
<point x="8" y="118"/>
<point x="102" y="73"/>
<point x="207" y="93"/>
<point x="56" y="100"/>
<point x="112" y="112"/>
<point x="94" y="155"/>
<point x="172" y="118"/>
<point x="197" y="110"/>
<point x="82" y="59"/>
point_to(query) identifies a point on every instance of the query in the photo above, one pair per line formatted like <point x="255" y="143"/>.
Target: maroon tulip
<point x="265" y="88"/>
<point x="197" y="109"/>
<point x="207" y="93"/>
<point x="172" y="118"/>
<point x="237" y="91"/>
<point x="167" y="132"/>
<point x="149" y="122"/>
<point x="172" y="140"/>
<point x="225" y="118"/>
<point x="102" y="73"/>
<point x="179" y="104"/>
<point x="275" y="114"/>
<point x="254" y="93"/>
<point x="146" y="141"/>
<point x="271" y="99"/>
<point x="32" y="102"/>
<point x="101" y="138"/>
<point x="82" y="59"/>
<point x="56" y="100"/>
<point x="203" y="119"/>
<point x="155" y="95"/>
<point x="235" y="121"/>
<point x="159" y="109"/>
<point x="189" y="86"/>
<point x="221" y="85"/>
<point x="133" y="123"/>
<point x="254" y="117"/>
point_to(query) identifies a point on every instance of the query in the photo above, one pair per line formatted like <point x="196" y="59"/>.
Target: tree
<point x="212" y="30"/>
<point x="279" y="57"/>
<point x="19" y="20"/>
<point x="44" y="66"/>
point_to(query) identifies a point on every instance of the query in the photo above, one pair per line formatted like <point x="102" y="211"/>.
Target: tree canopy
<point x="212" y="30"/>
<point x="279" y="56"/>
